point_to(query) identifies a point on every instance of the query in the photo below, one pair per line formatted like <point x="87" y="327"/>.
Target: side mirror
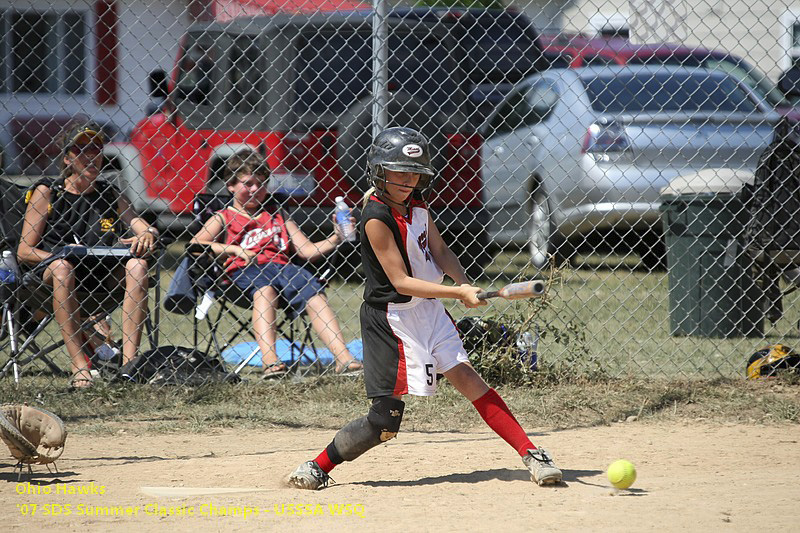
<point x="789" y="82"/>
<point x="158" y="84"/>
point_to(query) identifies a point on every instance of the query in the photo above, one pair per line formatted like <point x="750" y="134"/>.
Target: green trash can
<point x="712" y="292"/>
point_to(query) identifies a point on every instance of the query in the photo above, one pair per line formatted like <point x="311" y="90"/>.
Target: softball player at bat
<point x="408" y="335"/>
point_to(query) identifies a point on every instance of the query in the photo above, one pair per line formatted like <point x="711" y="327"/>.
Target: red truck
<point x="297" y="88"/>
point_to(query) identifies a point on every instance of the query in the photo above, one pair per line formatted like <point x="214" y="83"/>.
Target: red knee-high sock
<point x="324" y="462"/>
<point x="329" y="458"/>
<point x="496" y="414"/>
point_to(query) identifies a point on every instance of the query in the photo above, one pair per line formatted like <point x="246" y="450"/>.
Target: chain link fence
<point x="626" y="152"/>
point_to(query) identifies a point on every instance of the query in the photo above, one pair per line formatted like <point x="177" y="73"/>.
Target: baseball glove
<point x="33" y="435"/>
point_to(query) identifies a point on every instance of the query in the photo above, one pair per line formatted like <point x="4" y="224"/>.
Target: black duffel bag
<point x="175" y="365"/>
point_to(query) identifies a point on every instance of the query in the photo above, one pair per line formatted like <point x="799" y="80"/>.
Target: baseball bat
<point x="516" y="291"/>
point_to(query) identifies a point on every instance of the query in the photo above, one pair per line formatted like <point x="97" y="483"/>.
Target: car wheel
<point x="540" y="235"/>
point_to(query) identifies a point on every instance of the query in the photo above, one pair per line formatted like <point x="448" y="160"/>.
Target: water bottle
<point x="106" y="352"/>
<point x="527" y="345"/>
<point x="8" y="267"/>
<point x="343" y="220"/>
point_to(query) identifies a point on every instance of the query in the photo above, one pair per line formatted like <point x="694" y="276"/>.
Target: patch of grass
<point x="332" y="402"/>
<point x="494" y="351"/>
<point x="605" y="354"/>
<point x="601" y="318"/>
<point x="622" y="312"/>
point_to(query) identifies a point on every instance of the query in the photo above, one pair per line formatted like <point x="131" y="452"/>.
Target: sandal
<point x="275" y="370"/>
<point x="352" y="368"/>
<point x="79" y="379"/>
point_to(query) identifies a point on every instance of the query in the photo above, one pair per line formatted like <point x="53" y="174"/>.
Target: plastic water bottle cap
<point x="339" y="199"/>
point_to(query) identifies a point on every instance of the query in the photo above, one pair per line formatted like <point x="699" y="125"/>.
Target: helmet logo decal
<point x="412" y="150"/>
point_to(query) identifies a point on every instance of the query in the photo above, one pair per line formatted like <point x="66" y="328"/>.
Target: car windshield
<point x="757" y="81"/>
<point x="748" y="75"/>
<point x="503" y="45"/>
<point x="500" y="46"/>
<point x="666" y="91"/>
<point x="335" y="69"/>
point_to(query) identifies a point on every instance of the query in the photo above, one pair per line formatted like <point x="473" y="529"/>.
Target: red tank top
<point x="265" y="234"/>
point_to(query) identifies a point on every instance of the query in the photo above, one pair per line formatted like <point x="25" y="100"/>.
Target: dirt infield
<point x="694" y="476"/>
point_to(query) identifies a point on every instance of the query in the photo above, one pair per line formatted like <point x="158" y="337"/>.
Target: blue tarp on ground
<point x="239" y="352"/>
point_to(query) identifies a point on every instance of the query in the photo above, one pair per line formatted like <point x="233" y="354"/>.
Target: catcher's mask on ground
<point x="768" y="361"/>
<point x="401" y="150"/>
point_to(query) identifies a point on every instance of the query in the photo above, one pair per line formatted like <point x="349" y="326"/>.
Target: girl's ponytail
<point x="367" y="194"/>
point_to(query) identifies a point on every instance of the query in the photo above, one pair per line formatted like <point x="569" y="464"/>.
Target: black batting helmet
<point x="400" y="150"/>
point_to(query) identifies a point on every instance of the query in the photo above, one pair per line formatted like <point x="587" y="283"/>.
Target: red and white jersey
<point x="414" y="229"/>
<point x="411" y="237"/>
<point x="265" y="234"/>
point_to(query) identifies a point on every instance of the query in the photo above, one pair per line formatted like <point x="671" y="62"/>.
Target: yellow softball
<point x="621" y="474"/>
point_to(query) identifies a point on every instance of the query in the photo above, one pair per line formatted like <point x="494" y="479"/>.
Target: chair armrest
<point x="203" y="265"/>
<point x="162" y="241"/>
<point x="78" y="251"/>
<point x="324" y="277"/>
<point x="202" y="256"/>
<point x="195" y="248"/>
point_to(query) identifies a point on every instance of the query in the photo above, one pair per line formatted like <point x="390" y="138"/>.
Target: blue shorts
<point x="295" y="285"/>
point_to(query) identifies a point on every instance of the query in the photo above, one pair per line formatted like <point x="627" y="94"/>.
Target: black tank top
<point x="89" y="219"/>
<point x="378" y="290"/>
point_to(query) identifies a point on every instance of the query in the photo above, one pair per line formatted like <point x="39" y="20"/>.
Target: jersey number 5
<point x="429" y="373"/>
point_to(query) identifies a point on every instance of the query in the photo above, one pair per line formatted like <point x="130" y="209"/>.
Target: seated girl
<point x="256" y="241"/>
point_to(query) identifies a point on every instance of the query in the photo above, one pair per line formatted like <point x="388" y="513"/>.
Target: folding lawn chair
<point x="210" y="284"/>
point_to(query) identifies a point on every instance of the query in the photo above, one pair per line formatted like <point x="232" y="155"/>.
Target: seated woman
<point x="255" y="239"/>
<point x="79" y="209"/>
